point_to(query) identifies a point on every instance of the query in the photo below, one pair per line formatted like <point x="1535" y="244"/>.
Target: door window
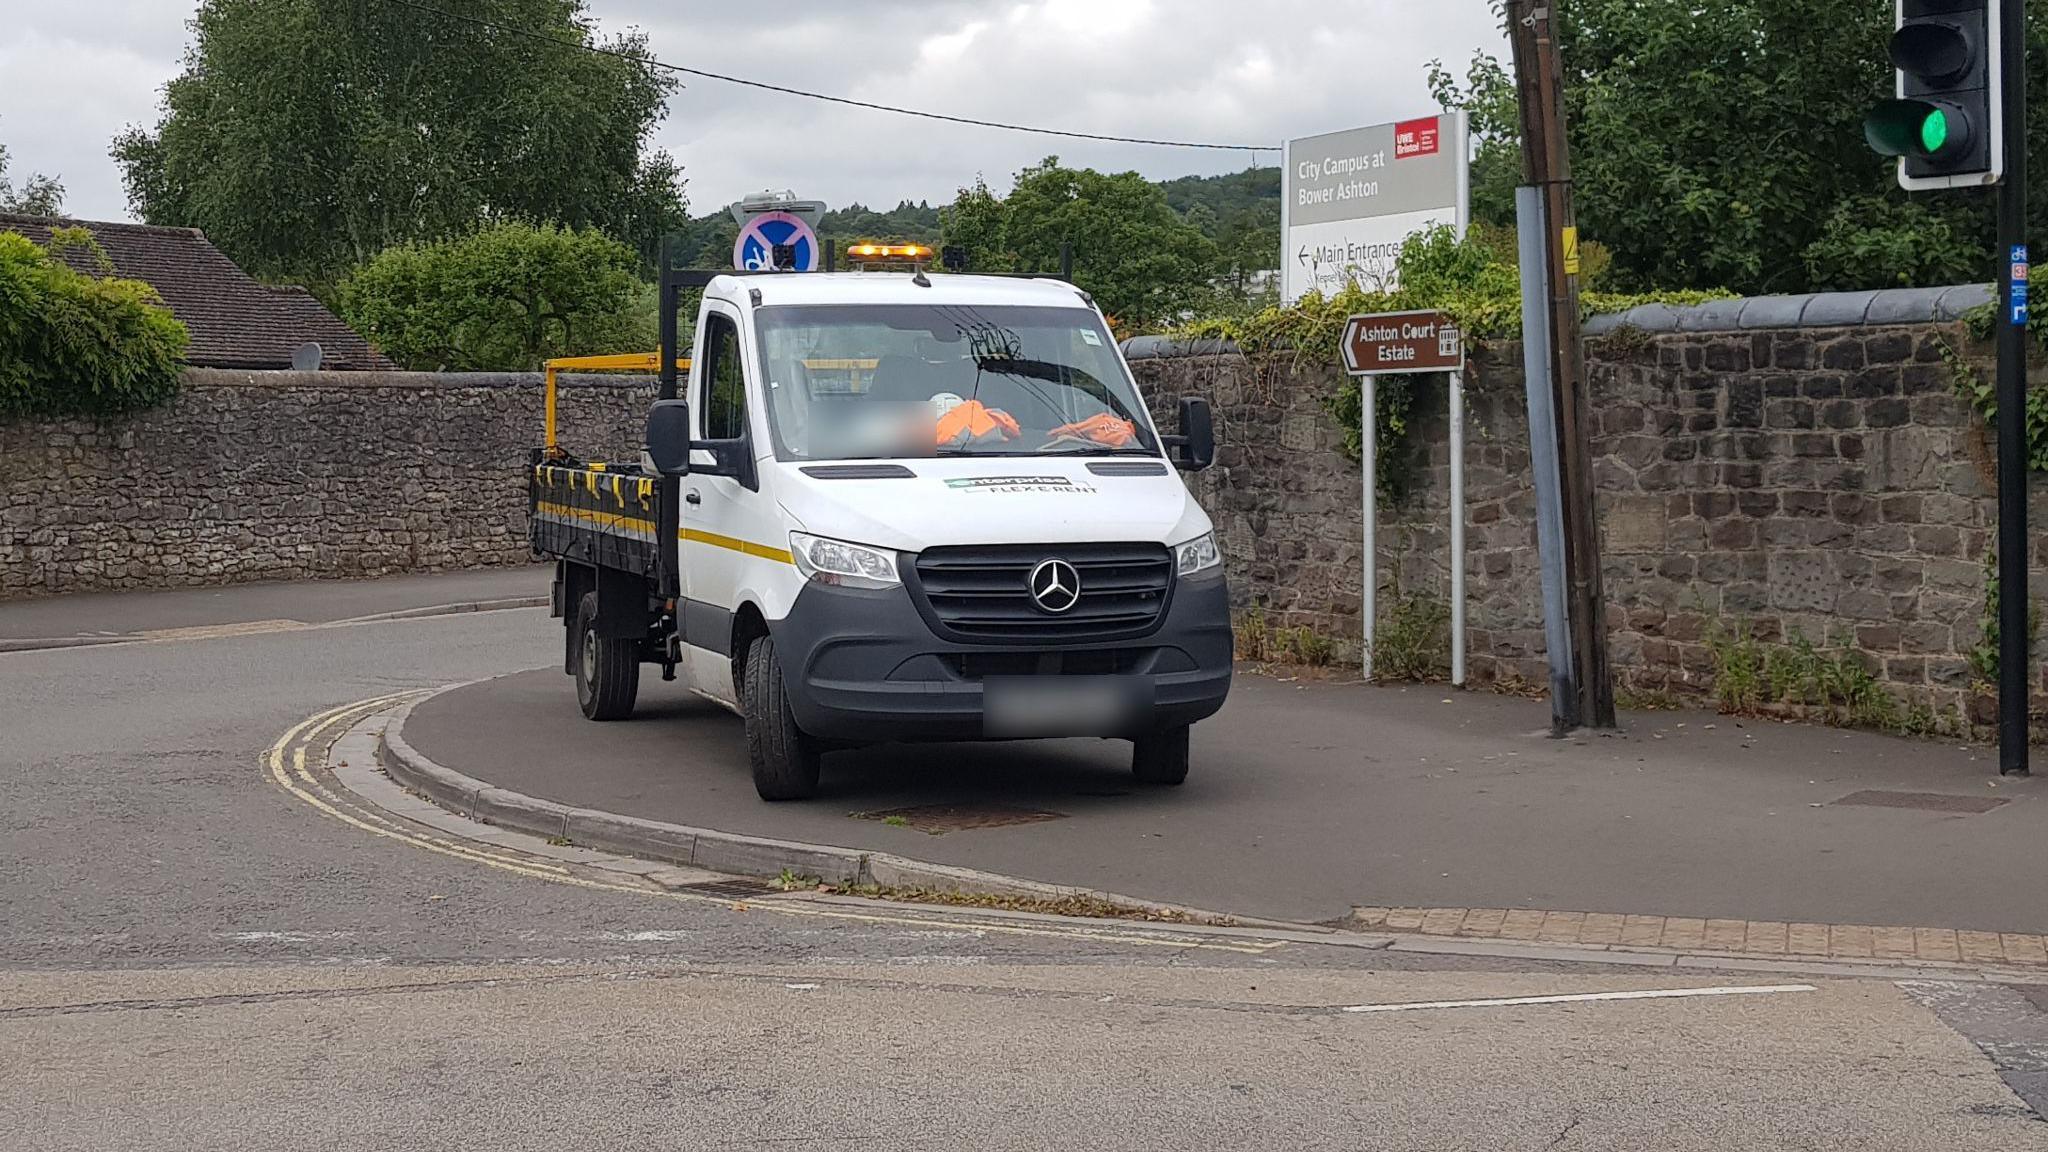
<point x="724" y="402"/>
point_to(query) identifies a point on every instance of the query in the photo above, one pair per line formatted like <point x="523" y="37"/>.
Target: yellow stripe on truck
<point x="692" y="535"/>
<point x="698" y="536"/>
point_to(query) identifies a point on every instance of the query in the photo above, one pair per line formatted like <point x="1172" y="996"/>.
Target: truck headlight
<point x="841" y="564"/>
<point x="1198" y="556"/>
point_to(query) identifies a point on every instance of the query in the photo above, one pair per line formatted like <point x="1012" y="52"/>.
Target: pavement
<point x="182" y="613"/>
<point x="1310" y="800"/>
<point x="204" y="942"/>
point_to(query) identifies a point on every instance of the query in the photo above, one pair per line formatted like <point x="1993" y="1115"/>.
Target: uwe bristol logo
<point x="1414" y="138"/>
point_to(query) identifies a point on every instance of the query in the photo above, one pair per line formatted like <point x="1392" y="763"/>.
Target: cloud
<point x="1210" y="70"/>
<point x="77" y="74"/>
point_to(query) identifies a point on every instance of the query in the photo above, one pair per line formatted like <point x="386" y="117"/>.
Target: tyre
<point x="785" y="761"/>
<point x="607" y="671"/>
<point x="1162" y="757"/>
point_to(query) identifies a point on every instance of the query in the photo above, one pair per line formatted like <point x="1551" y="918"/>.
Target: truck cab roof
<point x="900" y="288"/>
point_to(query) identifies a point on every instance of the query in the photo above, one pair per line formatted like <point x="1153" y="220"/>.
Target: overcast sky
<point x="1229" y="71"/>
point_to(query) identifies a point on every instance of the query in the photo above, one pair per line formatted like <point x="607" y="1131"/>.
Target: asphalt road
<point x="1307" y="799"/>
<point x="192" y="957"/>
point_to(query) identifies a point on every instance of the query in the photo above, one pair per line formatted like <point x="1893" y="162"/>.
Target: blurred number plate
<point x="1018" y="706"/>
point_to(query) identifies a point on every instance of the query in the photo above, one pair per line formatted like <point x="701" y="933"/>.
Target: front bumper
<point x="864" y="666"/>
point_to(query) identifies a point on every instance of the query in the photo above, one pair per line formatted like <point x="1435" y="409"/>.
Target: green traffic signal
<point x="1917" y="129"/>
<point x="1943" y="127"/>
<point x="1934" y="132"/>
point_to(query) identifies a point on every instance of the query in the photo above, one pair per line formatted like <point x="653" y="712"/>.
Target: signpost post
<point x="1350" y="199"/>
<point x="1396" y="344"/>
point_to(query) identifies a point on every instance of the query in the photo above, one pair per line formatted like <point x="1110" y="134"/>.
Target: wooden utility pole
<point x="1546" y="165"/>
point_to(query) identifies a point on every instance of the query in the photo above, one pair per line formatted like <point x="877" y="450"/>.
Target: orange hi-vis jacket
<point x="974" y="422"/>
<point x="1102" y="428"/>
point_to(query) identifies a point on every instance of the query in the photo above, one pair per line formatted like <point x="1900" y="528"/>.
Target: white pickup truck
<point x="897" y="507"/>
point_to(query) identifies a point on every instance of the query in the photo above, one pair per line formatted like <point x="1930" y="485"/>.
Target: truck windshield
<point x="872" y="381"/>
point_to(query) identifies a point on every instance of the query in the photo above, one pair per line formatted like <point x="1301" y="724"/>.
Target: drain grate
<point x="1925" y="801"/>
<point x="938" y="819"/>
<point x="731" y="889"/>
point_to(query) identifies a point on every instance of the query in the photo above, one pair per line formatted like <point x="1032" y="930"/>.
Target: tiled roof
<point x="235" y="322"/>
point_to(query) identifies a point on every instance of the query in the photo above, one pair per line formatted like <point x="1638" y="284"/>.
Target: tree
<point x="1721" y="145"/>
<point x="974" y="223"/>
<point x="1718" y="144"/>
<point x="1488" y="98"/>
<point x="39" y="195"/>
<point x="1142" y="262"/>
<point x="504" y="298"/>
<point x="304" y="136"/>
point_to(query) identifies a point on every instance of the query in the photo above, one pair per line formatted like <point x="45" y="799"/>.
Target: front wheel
<point x="785" y="761"/>
<point x="1162" y="757"/>
<point x="607" y="670"/>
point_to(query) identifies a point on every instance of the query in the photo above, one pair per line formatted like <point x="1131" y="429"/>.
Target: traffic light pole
<point x="2015" y="658"/>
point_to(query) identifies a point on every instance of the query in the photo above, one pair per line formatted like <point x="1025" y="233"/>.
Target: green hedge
<point x="79" y="345"/>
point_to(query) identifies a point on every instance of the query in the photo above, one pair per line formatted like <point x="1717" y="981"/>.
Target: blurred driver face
<point x="886" y="429"/>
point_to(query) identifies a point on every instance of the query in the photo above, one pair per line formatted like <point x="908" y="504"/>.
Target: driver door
<point x="721" y="516"/>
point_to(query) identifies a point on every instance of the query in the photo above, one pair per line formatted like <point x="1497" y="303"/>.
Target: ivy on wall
<point x="1475" y="281"/>
<point x="1982" y="391"/>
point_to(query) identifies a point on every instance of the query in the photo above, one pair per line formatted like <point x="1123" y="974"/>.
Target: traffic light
<point x="1947" y="125"/>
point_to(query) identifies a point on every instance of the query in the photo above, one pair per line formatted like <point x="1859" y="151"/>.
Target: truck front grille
<point x="983" y="593"/>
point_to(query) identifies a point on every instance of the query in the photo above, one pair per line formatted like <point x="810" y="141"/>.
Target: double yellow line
<point x="285" y="763"/>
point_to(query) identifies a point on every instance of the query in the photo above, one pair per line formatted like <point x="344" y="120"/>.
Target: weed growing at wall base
<point x="1413" y="642"/>
<point x="1262" y="644"/>
<point x="1752" y="677"/>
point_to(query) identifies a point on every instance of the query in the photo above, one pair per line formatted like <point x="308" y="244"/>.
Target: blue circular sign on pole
<point x="759" y="236"/>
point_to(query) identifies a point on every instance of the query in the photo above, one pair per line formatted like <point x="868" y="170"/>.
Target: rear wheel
<point x="785" y="761"/>
<point x="607" y="670"/>
<point x="1162" y="757"/>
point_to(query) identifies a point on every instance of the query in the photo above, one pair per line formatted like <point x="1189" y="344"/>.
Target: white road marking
<point x="651" y="936"/>
<point x="1586" y="997"/>
<point x="801" y="987"/>
<point x="285" y="937"/>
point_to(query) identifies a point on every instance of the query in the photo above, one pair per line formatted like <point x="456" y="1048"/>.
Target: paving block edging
<point x="727" y="852"/>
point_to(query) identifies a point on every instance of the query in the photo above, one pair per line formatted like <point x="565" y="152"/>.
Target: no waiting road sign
<point x="1397" y="343"/>
<point x="754" y="249"/>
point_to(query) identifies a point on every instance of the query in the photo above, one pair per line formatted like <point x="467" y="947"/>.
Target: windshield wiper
<point x="1048" y="453"/>
<point x="1094" y="450"/>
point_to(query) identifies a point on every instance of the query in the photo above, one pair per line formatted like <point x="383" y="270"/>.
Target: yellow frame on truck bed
<point x="615" y="362"/>
<point x="651" y="362"/>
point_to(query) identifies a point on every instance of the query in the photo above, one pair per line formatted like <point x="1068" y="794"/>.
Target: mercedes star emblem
<point x="1055" y="585"/>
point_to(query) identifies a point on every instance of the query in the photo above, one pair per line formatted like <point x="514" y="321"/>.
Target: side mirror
<point x="1197" y="439"/>
<point x="668" y="437"/>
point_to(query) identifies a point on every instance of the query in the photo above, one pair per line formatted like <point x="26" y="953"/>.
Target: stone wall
<point x="286" y="475"/>
<point x="1822" y="480"/>
<point x="1819" y="482"/>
